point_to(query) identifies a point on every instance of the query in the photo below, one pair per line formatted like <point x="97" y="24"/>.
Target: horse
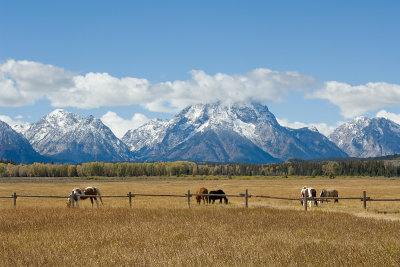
<point x="219" y="192"/>
<point x="329" y="193"/>
<point x="308" y="192"/>
<point x="204" y="198"/>
<point x="89" y="192"/>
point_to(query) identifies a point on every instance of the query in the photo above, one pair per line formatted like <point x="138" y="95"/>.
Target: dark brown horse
<point x="220" y="197"/>
<point x="204" y="198"/>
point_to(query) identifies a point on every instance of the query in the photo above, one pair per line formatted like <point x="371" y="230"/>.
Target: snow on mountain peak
<point x="313" y="128"/>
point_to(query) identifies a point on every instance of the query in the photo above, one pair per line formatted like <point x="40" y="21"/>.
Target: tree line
<point x="185" y="168"/>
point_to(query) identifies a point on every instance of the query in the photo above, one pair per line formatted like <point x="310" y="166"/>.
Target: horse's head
<point x="226" y="200"/>
<point x="69" y="202"/>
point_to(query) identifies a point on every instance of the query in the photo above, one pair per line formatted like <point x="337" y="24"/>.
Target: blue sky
<point x="311" y="62"/>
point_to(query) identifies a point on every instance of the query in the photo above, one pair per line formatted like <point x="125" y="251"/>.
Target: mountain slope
<point x="210" y="145"/>
<point x="68" y="138"/>
<point x="318" y="145"/>
<point x="14" y="146"/>
<point x="147" y="135"/>
<point x="368" y="137"/>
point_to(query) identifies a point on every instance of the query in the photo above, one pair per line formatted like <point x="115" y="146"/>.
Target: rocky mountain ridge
<point x="368" y="137"/>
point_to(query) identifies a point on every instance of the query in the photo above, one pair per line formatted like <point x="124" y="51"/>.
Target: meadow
<point x="160" y="231"/>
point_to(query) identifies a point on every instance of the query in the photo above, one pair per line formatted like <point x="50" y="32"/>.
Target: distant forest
<point x="388" y="168"/>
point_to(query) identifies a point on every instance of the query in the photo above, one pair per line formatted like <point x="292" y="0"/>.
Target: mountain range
<point x="239" y="132"/>
<point x="216" y="132"/>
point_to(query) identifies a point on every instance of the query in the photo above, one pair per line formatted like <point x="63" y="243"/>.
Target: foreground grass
<point x="203" y="236"/>
<point x="162" y="231"/>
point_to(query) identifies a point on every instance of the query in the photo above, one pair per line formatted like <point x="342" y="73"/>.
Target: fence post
<point x="305" y="202"/>
<point x="188" y="198"/>
<point x="130" y="199"/>
<point x="15" y="199"/>
<point x="246" y="195"/>
<point x="73" y="199"/>
<point x="365" y="199"/>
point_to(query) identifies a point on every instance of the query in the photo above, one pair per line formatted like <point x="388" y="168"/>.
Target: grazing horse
<point x="89" y="192"/>
<point x="329" y="193"/>
<point x="308" y="192"/>
<point x="204" y="198"/>
<point x="219" y="192"/>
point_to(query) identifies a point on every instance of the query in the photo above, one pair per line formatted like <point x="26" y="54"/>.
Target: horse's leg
<point x="97" y="202"/>
<point x="91" y="200"/>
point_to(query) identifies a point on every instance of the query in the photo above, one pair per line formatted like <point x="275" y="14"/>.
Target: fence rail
<point x="188" y="195"/>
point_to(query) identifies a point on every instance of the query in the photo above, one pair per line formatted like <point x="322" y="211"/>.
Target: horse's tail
<point x="99" y="194"/>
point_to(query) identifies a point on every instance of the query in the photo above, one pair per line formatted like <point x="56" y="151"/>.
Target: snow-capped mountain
<point x="66" y="137"/>
<point x="227" y="132"/>
<point x="14" y="146"/>
<point x="368" y="137"/>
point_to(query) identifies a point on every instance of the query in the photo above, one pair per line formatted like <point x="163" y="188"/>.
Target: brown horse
<point x="329" y="193"/>
<point x="89" y="192"/>
<point x="204" y="198"/>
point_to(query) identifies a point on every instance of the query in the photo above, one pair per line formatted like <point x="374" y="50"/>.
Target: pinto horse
<point x="204" y="198"/>
<point x="308" y="192"/>
<point x="89" y="192"/>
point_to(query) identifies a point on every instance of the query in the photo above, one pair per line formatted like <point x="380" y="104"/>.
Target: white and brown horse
<point x="329" y="193"/>
<point x="89" y="192"/>
<point x="308" y="192"/>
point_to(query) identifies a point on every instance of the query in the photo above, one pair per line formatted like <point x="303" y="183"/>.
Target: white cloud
<point x="257" y="85"/>
<point x="388" y="115"/>
<point x="101" y="89"/>
<point x="323" y="128"/>
<point x="120" y="126"/>
<point x="24" y="82"/>
<point x="357" y="100"/>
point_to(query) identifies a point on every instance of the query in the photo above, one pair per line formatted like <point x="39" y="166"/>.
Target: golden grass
<point x="163" y="231"/>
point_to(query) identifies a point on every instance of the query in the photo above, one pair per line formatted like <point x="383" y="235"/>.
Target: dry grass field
<point x="161" y="231"/>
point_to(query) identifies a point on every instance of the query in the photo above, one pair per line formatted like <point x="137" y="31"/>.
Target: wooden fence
<point x="188" y="196"/>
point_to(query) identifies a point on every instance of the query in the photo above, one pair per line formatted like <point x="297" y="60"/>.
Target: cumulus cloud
<point x="23" y="82"/>
<point x="357" y="100"/>
<point x="389" y="115"/>
<point x="120" y="126"/>
<point x="323" y="128"/>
